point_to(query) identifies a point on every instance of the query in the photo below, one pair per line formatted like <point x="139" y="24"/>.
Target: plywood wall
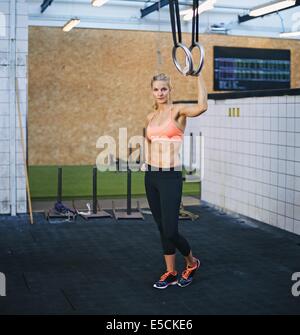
<point x="89" y="82"/>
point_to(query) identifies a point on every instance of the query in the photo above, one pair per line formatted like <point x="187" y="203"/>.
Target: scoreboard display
<point x="240" y="69"/>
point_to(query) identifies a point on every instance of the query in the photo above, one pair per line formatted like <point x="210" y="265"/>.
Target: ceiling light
<point x="271" y="7"/>
<point x="70" y="24"/>
<point x="290" y="34"/>
<point x="98" y="3"/>
<point x="207" y="5"/>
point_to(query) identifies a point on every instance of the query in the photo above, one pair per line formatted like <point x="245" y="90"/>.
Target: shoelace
<point x="165" y="275"/>
<point x="187" y="271"/>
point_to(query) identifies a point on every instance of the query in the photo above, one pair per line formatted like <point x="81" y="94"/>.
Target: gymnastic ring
<point x="196" y="72"/>
<point x="188" y="58"/>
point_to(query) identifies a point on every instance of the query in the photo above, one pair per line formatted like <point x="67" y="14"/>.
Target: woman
<point x="163" y="178"/>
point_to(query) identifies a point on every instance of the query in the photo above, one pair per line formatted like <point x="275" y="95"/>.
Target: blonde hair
<point x="161" y="77"/>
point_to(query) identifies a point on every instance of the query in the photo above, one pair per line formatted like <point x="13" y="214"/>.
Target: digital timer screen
<point x="239" y="69"/>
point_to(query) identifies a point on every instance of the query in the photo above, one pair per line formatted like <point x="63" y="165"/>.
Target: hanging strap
<point x="195" y="38"/>
<point x="195" y="23"/>
<point x="175" y="20"/>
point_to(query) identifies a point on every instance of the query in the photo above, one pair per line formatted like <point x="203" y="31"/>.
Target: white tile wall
<point x="297" y="212"/>
<point x="5" y="123"/>
<point x="281" y="221"/>
<point x="4" y="108"/>
<point x="296" y="227"/>
<point x="289" y="225"/>
<point x="297" y="198"/>
<point x="252" y="166"/>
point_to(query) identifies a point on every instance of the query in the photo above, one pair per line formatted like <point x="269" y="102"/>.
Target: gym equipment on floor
<point x="191" y="177"/>
<point x="129" y="213"/>
<point x="94" y="211"/>
<point x="60" y="213"/>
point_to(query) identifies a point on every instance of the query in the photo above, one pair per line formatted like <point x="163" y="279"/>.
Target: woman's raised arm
<point x="201" y="107"/>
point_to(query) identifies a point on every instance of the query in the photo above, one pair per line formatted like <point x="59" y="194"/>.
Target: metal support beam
<point x="154" y="7"/>
<point x="247" y="17"/>
<point x="12" y="108"/>
<point x="45" y="5"/>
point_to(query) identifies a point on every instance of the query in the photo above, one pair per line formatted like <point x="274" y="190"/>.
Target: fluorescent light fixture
<point x="98" y="3"/>
<point x="70" y="24"/>
<point x="206" y="5"/>
<point x="271" y="7"/>
<point x="290" y="34"/>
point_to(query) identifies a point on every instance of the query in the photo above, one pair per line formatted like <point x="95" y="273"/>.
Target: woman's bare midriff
<point x="163" y="153"/>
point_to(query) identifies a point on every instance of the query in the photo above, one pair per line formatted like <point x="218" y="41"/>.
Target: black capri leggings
<point x="164" y="191"/>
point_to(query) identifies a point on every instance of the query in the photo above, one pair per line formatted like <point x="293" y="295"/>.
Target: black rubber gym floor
<point x="108" y="268"/>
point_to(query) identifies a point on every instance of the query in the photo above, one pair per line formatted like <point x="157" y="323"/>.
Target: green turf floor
<point x="77" y="183"/>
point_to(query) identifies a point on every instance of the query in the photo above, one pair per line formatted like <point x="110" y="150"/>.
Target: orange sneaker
<point x="168" y="278"/>
<point x="187" y="274"/>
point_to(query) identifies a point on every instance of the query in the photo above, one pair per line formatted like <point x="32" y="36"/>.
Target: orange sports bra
<point x="168" y="131"/>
